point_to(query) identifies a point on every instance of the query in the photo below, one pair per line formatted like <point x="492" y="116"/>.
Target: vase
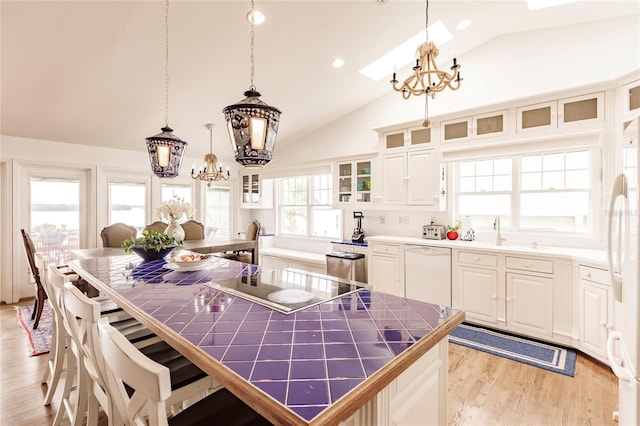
<point x="452" y="235"/>
<point x="175" y="230"/>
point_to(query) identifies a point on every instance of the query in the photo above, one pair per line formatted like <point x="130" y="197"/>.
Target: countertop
<point x="598" y="257"/>
<point x="312" y="367"/>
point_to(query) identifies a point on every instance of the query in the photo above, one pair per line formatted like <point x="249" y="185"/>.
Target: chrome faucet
<point x="496" y="226"/>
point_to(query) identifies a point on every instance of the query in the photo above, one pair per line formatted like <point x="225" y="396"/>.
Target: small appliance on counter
<point x="434" y="232"/>
<point x="358" y="232"/>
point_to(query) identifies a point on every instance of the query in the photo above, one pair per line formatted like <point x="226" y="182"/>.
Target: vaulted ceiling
<point x="93" y="72"/>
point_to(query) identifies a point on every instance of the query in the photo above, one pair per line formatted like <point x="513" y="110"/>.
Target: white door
<point x="394" y="178"/>
<point x="422" y="171"/>
<point x="594" y="318"/>
<point x="530" y="303"/>
<point x="386" y="275"/>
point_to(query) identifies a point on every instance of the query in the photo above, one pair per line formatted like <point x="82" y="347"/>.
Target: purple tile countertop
<point x="305" y="361"/>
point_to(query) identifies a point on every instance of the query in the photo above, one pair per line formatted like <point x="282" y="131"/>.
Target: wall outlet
<point x="403" y="220"/>
<point x="382" y="219"/>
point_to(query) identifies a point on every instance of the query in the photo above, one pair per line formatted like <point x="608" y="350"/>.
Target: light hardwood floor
<point x="483" y="389"/>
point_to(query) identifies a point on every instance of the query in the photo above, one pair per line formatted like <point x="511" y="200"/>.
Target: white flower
<point x="175" y="209"/>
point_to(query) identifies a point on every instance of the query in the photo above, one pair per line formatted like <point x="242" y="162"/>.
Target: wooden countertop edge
<point x="361" y="394"/>
<point x="274" y="411"/>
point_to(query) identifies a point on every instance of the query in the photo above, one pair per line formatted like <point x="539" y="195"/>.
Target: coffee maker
<point x="358" y="232"/>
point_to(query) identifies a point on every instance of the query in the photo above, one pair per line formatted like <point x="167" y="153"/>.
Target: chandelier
<point x="210" y="172"/>
<point x="427" y="78"/>
<point x="252" y="124"/>
<point x="165" y="148"/>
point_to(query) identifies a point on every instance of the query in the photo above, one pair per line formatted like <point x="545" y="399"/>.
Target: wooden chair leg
<point x="40" y="306"/>
<point x="35" y="308"/>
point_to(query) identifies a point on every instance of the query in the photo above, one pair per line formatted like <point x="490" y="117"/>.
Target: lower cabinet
<point x="529" y="304"/>
<point x="386" y="268"/>
<point x="493" y="290"/>
<point x="596" y="310"/>
<point x="478" y="289"/>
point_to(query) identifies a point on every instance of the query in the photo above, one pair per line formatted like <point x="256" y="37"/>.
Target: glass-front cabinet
<point x="354" y="181"/>
<point x="409" y="138"/>
<point x="481" y="126"/>
<point x="586" y="110"/>
<point x="631" y="99"/>
<point x="257" y="193"/>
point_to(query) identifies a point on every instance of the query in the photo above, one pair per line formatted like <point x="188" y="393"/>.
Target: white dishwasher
<point x="428" y="274"/>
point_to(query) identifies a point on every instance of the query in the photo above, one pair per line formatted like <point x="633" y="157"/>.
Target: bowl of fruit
<point x="189" y="260"/>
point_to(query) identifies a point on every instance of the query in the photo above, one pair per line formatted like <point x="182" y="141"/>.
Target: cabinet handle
<point x="588" y="275"/>
<point x="494" y="297"/>
<point x="528" y="265"/>
<point x="604" y="324"/>
<point x="508" y="300"/>
<point x="609" y="326"/>
<point x="476" y="259"/>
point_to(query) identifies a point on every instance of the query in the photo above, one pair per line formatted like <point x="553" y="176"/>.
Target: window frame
<point x="514" y="227"/>
<point x="310" y="206"/>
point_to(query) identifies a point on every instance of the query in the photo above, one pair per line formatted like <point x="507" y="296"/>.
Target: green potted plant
<point x="151" y="246"/>
<point x="452" y="230"/>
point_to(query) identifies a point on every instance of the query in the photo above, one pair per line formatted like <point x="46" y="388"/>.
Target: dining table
<point x="206" y="246"/>
<point x="344" y="360"/>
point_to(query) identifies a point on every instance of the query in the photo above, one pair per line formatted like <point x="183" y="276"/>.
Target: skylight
<point x="543" y="4"/>
<point x="403" y="54"/>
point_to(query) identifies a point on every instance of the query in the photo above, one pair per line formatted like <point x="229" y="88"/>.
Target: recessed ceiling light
<point x="255" y="17"/>
<point x="463" y="25"/>
<point x="543" y="4"/>
<point x="337" y="63"/>
<point x="401" y="55"/>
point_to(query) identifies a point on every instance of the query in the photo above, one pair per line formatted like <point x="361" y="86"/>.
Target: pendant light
<point x="252" y="124"/>
<point x="165" y="148"/>
<point x="211" y="171"/>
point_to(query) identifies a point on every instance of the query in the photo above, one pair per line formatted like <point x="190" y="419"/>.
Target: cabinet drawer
<point x="473" y="258"/>
<point x="597" y="275"/>
<point x="534" y="265"/>
<point x="390" y="249"/>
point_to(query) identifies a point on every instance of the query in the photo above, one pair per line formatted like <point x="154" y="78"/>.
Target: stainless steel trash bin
<point x="347" y="265"/>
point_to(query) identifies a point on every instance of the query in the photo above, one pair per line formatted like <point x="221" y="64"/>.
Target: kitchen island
<point x="362" y="358"/>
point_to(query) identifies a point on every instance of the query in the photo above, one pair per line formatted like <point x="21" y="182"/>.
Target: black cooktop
<point x="286" y="290"/>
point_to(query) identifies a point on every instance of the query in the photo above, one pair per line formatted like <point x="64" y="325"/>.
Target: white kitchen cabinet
<point x="414" y="137"/>
<point x="353" y="182"/>
<point x="412" y="178"/>
<point x="631" y="100"/>
<point x="596" y="310"/>
<point x="529" y="304"/>
<point x="491" y="124"/>
<point x="386" y="268"/>
<point x="478" y="291"/>
<point x="256" y="192"/>
<point x="586" y="111"/>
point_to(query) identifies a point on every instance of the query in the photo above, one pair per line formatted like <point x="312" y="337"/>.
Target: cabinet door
<point x="246" y="189"/>
<point x="530" y="303"/>
<point x="478" y="290"/>
<point x="255" y="188"/>
<point x="420" y="137"/>
<point x="363" y="181"/>
<point x="394" y="178"/>
<point x="393" y="140"/>
<point x="490" y="125"/>
<point x="631" y="99"/>
<point x="537" y="117"/>
<point x="594" y="318"/>
<point x="423" y="185"/>
<point x="581" y="110"/>
<point x="457" y="130"/>
<point x="387" y="275"/>
<point x="345" y="186"/>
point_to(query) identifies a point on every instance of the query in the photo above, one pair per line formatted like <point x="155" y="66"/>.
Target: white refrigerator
<point x="623" y="349"/>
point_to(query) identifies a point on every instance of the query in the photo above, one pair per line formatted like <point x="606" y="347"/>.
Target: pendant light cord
<point x="253" y="44"/>
<point x="426" y="122"/>
<point x="166" y="64"/>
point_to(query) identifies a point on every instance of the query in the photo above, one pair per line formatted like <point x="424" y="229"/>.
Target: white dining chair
<point x="150" y="382"/>
<point x="190" y="384"/>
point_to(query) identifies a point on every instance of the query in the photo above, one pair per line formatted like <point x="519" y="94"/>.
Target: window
<point x="170" y="190"/>
<point x="55" y="216"/>
<point x="542" y="192"/>
<point x="217" y="220"/>
<point x="127" y="203"/>
<point x="305" y="207"/>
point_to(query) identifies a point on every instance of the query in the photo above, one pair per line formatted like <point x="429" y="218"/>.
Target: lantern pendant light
<point x="165" y="148"/>
<point x="252" y="124"/>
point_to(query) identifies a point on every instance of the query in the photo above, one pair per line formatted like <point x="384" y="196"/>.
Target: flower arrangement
<point x="455" y="228"/>
<point x="175" y="209"/>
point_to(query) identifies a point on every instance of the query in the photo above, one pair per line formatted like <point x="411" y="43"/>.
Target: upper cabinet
<point x="257" y="193"/>
<point x="492" y="124"/>
<point x="585" y="111"/>
<point x="417" y="137"/>
<point x="354" y="182"/>
<point x="631" y="100"/>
